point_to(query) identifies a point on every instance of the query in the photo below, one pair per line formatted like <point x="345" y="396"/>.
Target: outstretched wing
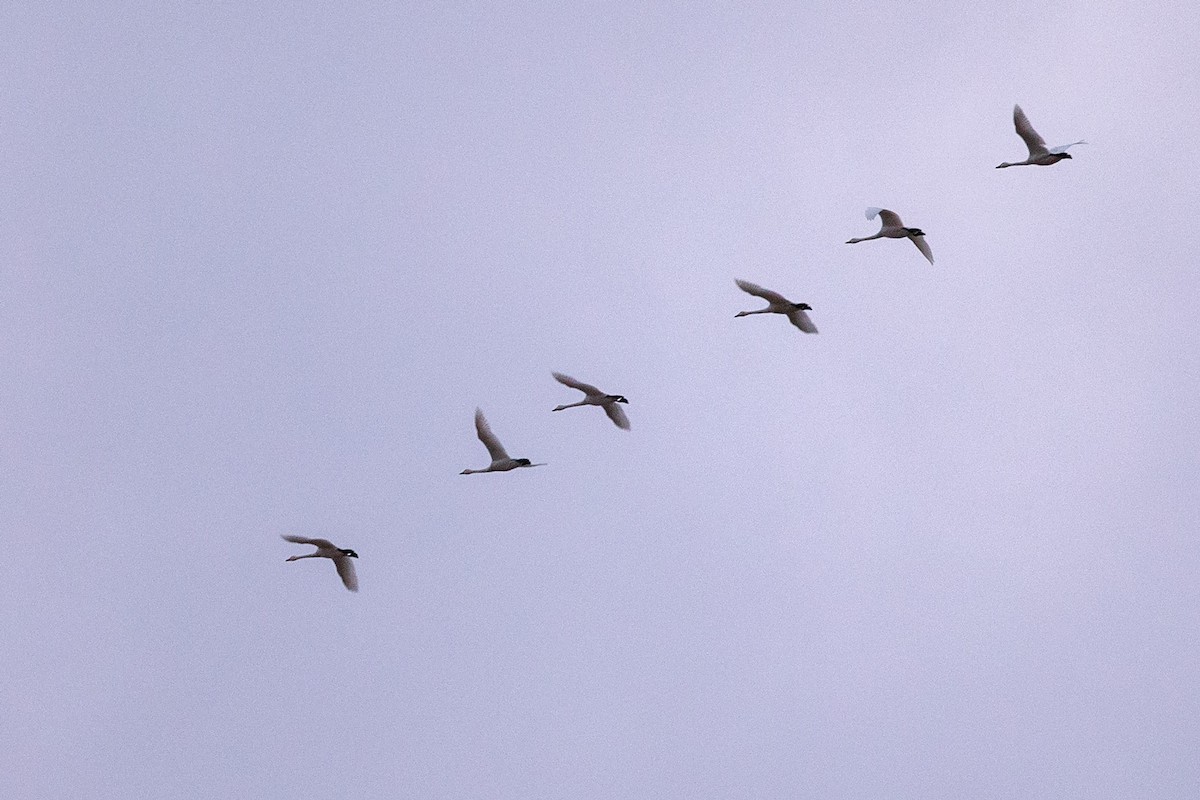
<point x="567" y="380"/>
<point x="318" y="543"/>
<point x="890" y="219"/>
<point x="1035" y="143"/>
<point x="345" y="568"/>
<point x="801" y="321"/>
<point x="617" y="415"/>
<point x="923" y="246"/>
<point x="758" y="291"/>
<point x="494" y="448"/>
<point x="1062" y="148"/>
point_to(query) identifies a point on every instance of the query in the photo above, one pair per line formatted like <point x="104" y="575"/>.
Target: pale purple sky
<point x="259" y="263"/>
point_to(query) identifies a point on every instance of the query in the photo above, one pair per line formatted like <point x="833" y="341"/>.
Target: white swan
<point x="595" y="397"/>
<point x="500" y="460"/>
<point x="778" y="305"/>
<point x="340" y="556"/>
<point x="893" y="228"/>
<point x="1038" y="152"/>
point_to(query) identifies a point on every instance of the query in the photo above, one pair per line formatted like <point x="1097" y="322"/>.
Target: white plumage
<point x="595" y="397"/>
<point x="893" y="228"/>
<point x="778" y="305"/>
<point x="1039" y="154"/>
<point x="501" y="462"/>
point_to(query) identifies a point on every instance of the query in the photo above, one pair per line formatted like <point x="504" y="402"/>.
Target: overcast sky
<point x="259" y="263"/>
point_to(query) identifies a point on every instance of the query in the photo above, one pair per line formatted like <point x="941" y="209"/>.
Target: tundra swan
<point x="893" y="228"/>
<point x="778" y="305"/>
<point x="500" y="460"/>
<point x="326" y="549"/>
<point x="595" y="397"/>
<point x="1038" y="152"/>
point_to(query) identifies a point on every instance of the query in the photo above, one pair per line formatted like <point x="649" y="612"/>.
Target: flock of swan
<point x="891" y="228"/>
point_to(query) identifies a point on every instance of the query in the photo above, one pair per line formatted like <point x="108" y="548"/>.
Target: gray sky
<point x="258" y="265"/>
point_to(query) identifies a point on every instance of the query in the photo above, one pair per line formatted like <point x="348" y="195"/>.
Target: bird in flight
<point x="778" y="305"/>
<point x="595" y="397"/>
<point x="326" y="549"/>
<point x="1038" y="152"/>
<point x="893" y="228"/>
<point x="500" y="458"/>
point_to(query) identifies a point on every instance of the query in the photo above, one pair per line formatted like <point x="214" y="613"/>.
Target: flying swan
<point x="893" y="228"/>
<point x="500" y="460"/>
<point x="778" y="305"/>
<point x="340" y="556"/>
<point x="1038" y="153"/>
<point x="595" y="397"/>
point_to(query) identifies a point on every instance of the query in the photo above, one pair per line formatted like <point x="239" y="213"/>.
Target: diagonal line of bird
<point x="891" y="227"/>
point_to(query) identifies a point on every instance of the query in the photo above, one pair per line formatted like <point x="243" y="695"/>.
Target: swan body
<point x="778" y="305"/>
<point x="1039" y="154"/>
<point x="501" y="462"/>
<point x="595" y="397"/>
<point x="893" y="228"/>
<point x="339" y="555"/>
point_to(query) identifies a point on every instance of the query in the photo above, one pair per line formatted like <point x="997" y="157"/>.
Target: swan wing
<point x="1062" y="148"/>
<point x="345" y="568"/>
<point x="890" y="219"/>
<point x="567" y="380"/>
<point x="617" y="415"/>
<point x="758" y="291"/>
<point x="923" y="246"/>
<point x="1035" y="143"/>
<point x="484" y="431"/>
<point x="802" y="321"/>
<point x="320" y="544"/>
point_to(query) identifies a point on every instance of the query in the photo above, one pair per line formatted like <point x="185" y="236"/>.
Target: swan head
<point x="741" y="313"/>
<point x="617" y="398"/>
<point x="346" y="552"/>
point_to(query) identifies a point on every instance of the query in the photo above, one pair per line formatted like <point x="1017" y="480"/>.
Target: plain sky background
<point x="260" y="262"/>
